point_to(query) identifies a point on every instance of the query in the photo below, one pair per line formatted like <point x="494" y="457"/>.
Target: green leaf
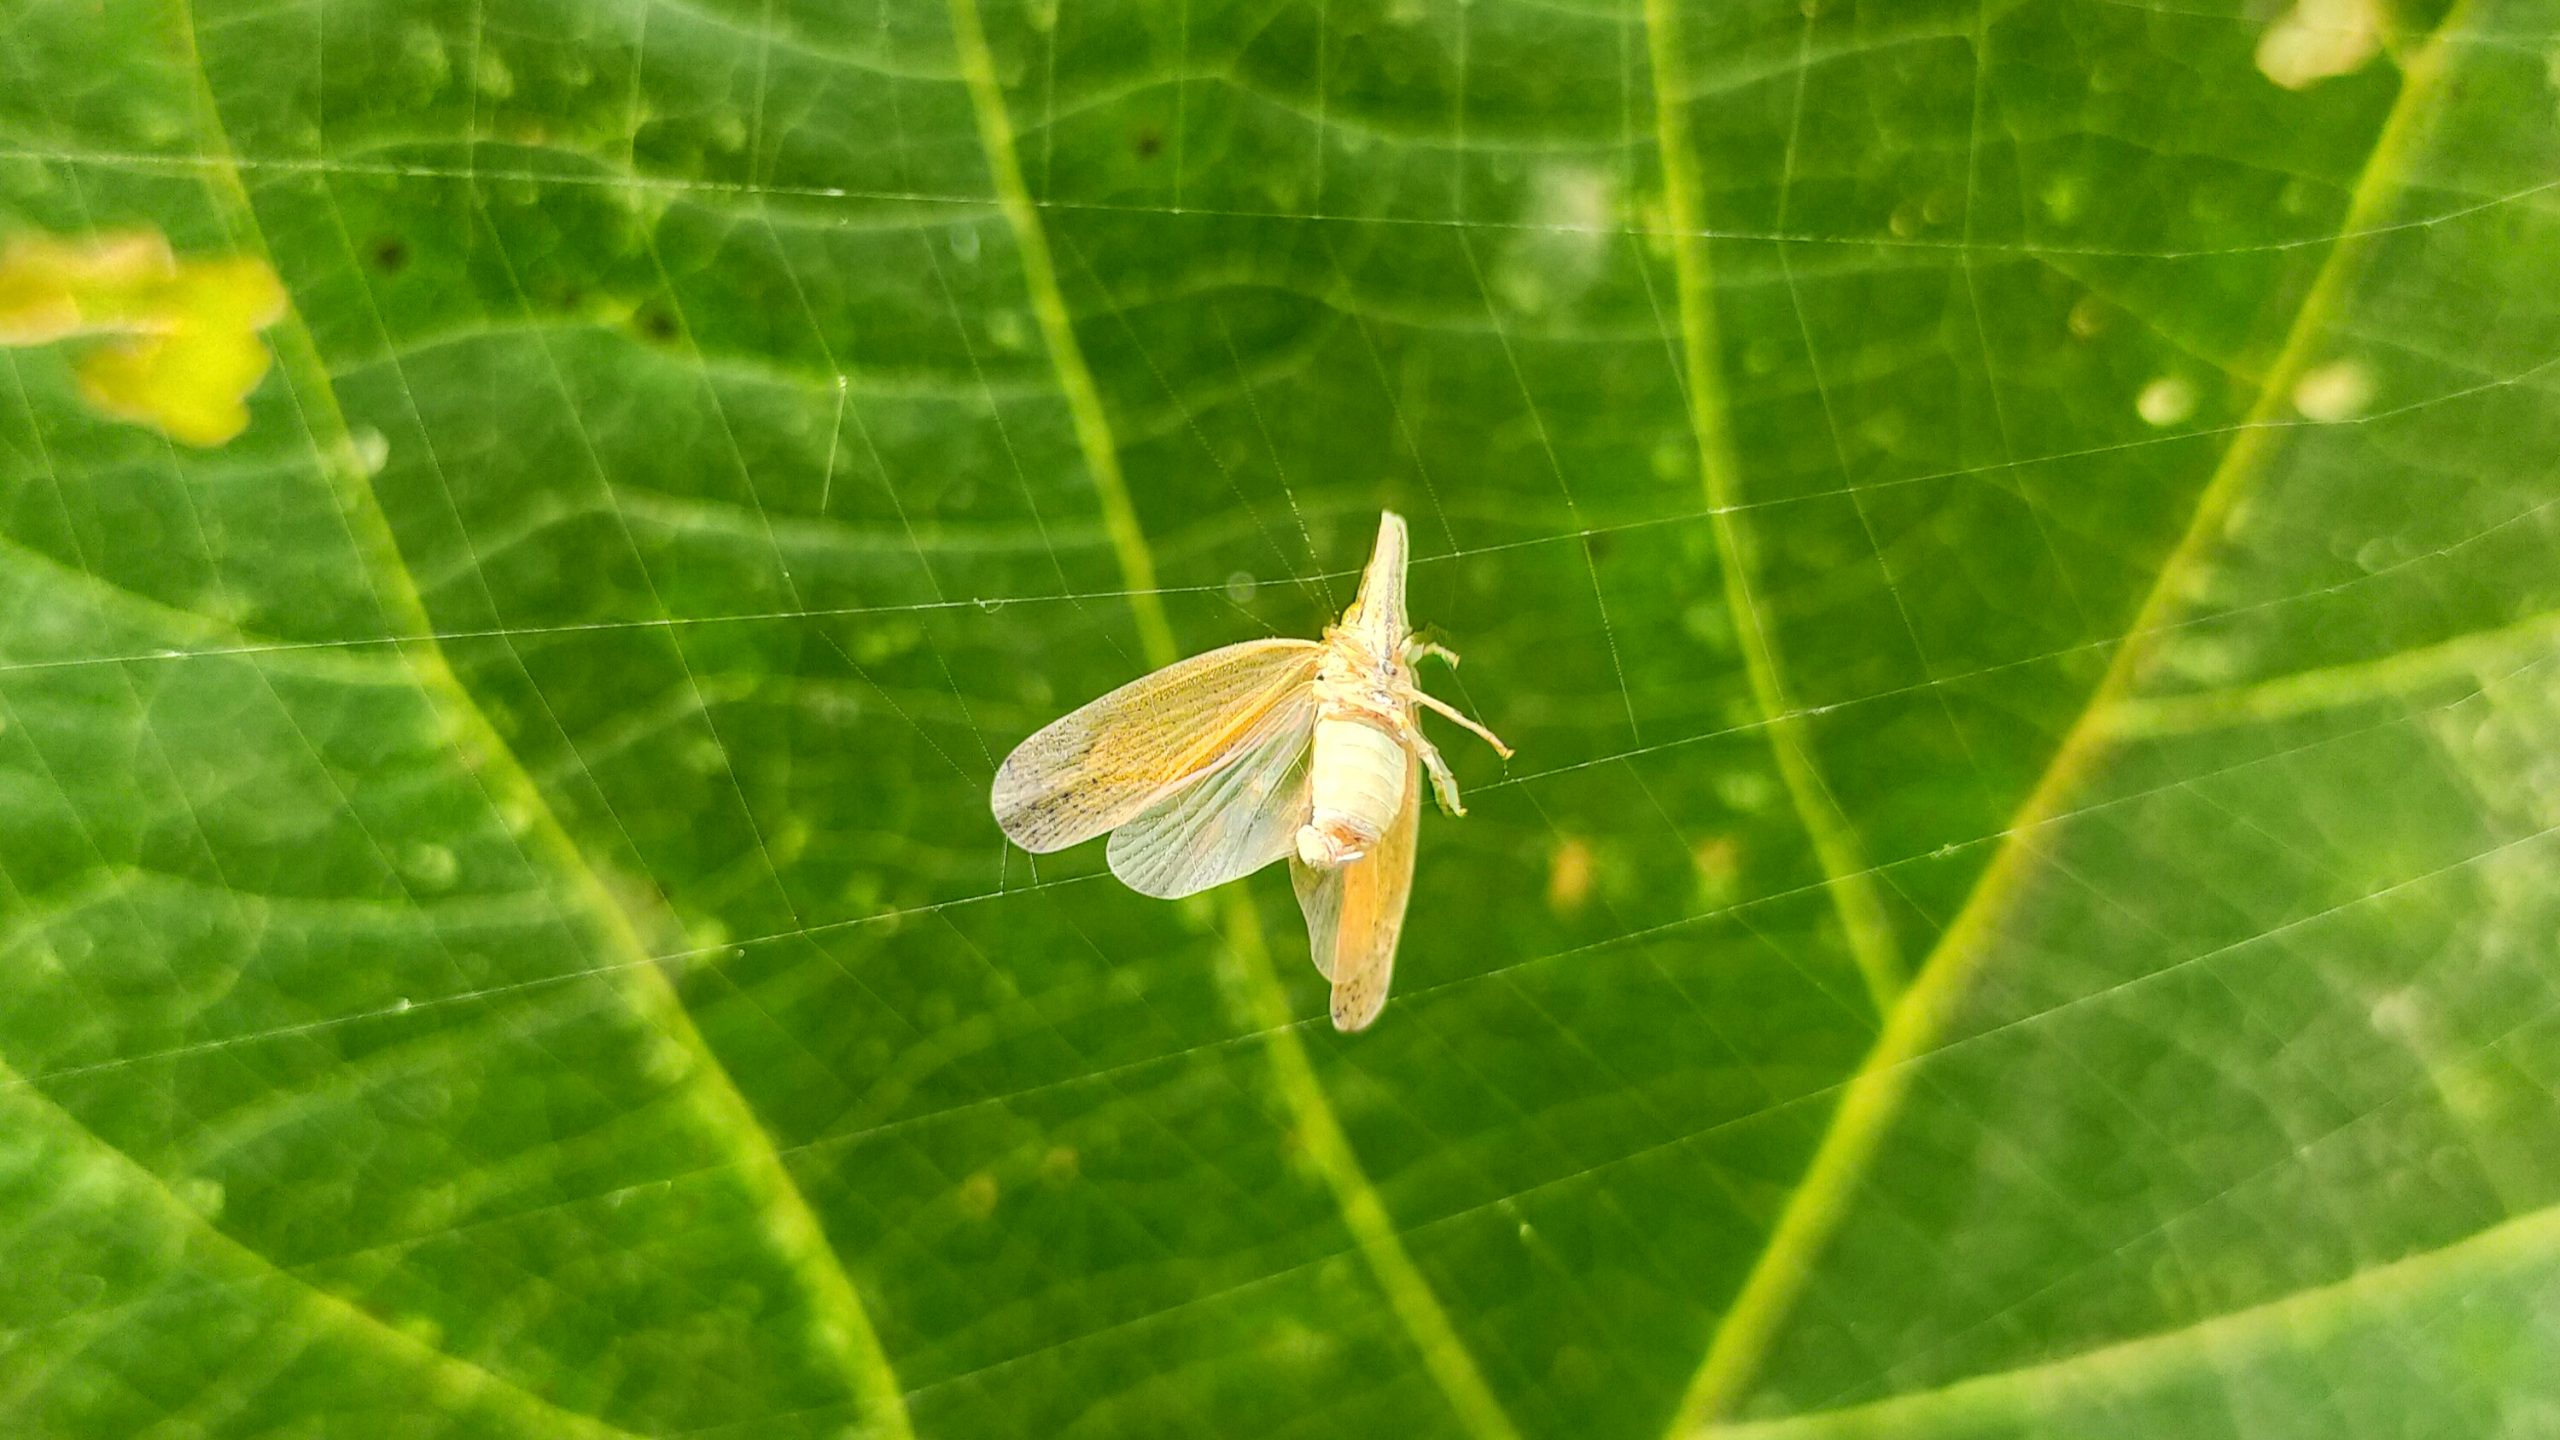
<point x="2014" y="544"/>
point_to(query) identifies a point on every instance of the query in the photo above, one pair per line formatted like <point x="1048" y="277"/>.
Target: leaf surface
<point x="2014" y="548"/>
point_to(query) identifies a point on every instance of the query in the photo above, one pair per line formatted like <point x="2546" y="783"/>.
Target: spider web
<point x="504" y="921"/>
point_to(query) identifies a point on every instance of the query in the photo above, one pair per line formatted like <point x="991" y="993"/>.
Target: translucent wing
<point x="1356" y="912"/>
<point x="1230" y="822"/>
<point x="1320" y="900"/>
<point x="1098" y="767"/>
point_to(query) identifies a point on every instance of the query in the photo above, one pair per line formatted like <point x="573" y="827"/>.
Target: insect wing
<point x="1355" y="913"/>
<point x="1228" y="823"/>
<point x="1098" y="767"/>
<point x="1320" y="900"/>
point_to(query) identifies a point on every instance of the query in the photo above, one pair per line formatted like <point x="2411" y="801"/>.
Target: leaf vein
<point x="2454" y="1271"/>
<point x="840" y="1322"/>
<point x="1848" y="878"/>
<point x="461" y="1373"/>
<point x="1408" y="1292"/>
<point x="1874" y="1095"/>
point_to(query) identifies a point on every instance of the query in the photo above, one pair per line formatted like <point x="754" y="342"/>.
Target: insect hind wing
<point x="1319" y="890"/>
<point x="1099" y="766"/>
<point x="1225" y="825"/>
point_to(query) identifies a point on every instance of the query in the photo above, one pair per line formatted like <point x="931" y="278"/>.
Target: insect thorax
<point x="1357" y="678"/>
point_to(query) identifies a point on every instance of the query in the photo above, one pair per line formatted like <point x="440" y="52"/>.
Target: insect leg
<point x="1421" y="649"/>
<point x="1444" y="708"/>
<point x="1444" y="785"/>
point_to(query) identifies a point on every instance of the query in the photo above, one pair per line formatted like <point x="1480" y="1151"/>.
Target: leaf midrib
<point x="2115" y="1368"/>
<point x="1874" y="1092"/>
<point x="840" y="1322"/>
<point x="1848" y="880"/>
<point x="363" y="1323"/>
<point x="1364" y="1213"/>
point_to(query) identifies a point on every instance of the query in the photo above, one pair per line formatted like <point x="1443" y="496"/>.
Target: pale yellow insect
<point x="1211" y="768"/>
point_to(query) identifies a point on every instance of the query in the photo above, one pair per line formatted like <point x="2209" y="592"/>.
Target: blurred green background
<point x="2016" y="544"/>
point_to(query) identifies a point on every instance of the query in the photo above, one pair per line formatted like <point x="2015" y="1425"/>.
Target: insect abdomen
<point x="1357" y="781"/>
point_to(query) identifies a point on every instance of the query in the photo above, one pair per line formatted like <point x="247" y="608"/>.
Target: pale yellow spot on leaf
<point x="175" y="341"/>
<point x="1719" y="865"/>
<point x="2319" y="39"/>
<point x="1569" y="875"/>
<point x="2339" y="390"/>
<point x="2166" y="401"/>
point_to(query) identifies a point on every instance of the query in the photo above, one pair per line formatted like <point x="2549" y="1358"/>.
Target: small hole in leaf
<point x="391" y="254"/>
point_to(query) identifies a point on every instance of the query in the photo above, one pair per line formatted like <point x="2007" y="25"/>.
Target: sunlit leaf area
<point x="2016" y="543"/>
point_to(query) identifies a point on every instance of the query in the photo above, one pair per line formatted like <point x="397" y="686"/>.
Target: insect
<point x="1213" y="767"/>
